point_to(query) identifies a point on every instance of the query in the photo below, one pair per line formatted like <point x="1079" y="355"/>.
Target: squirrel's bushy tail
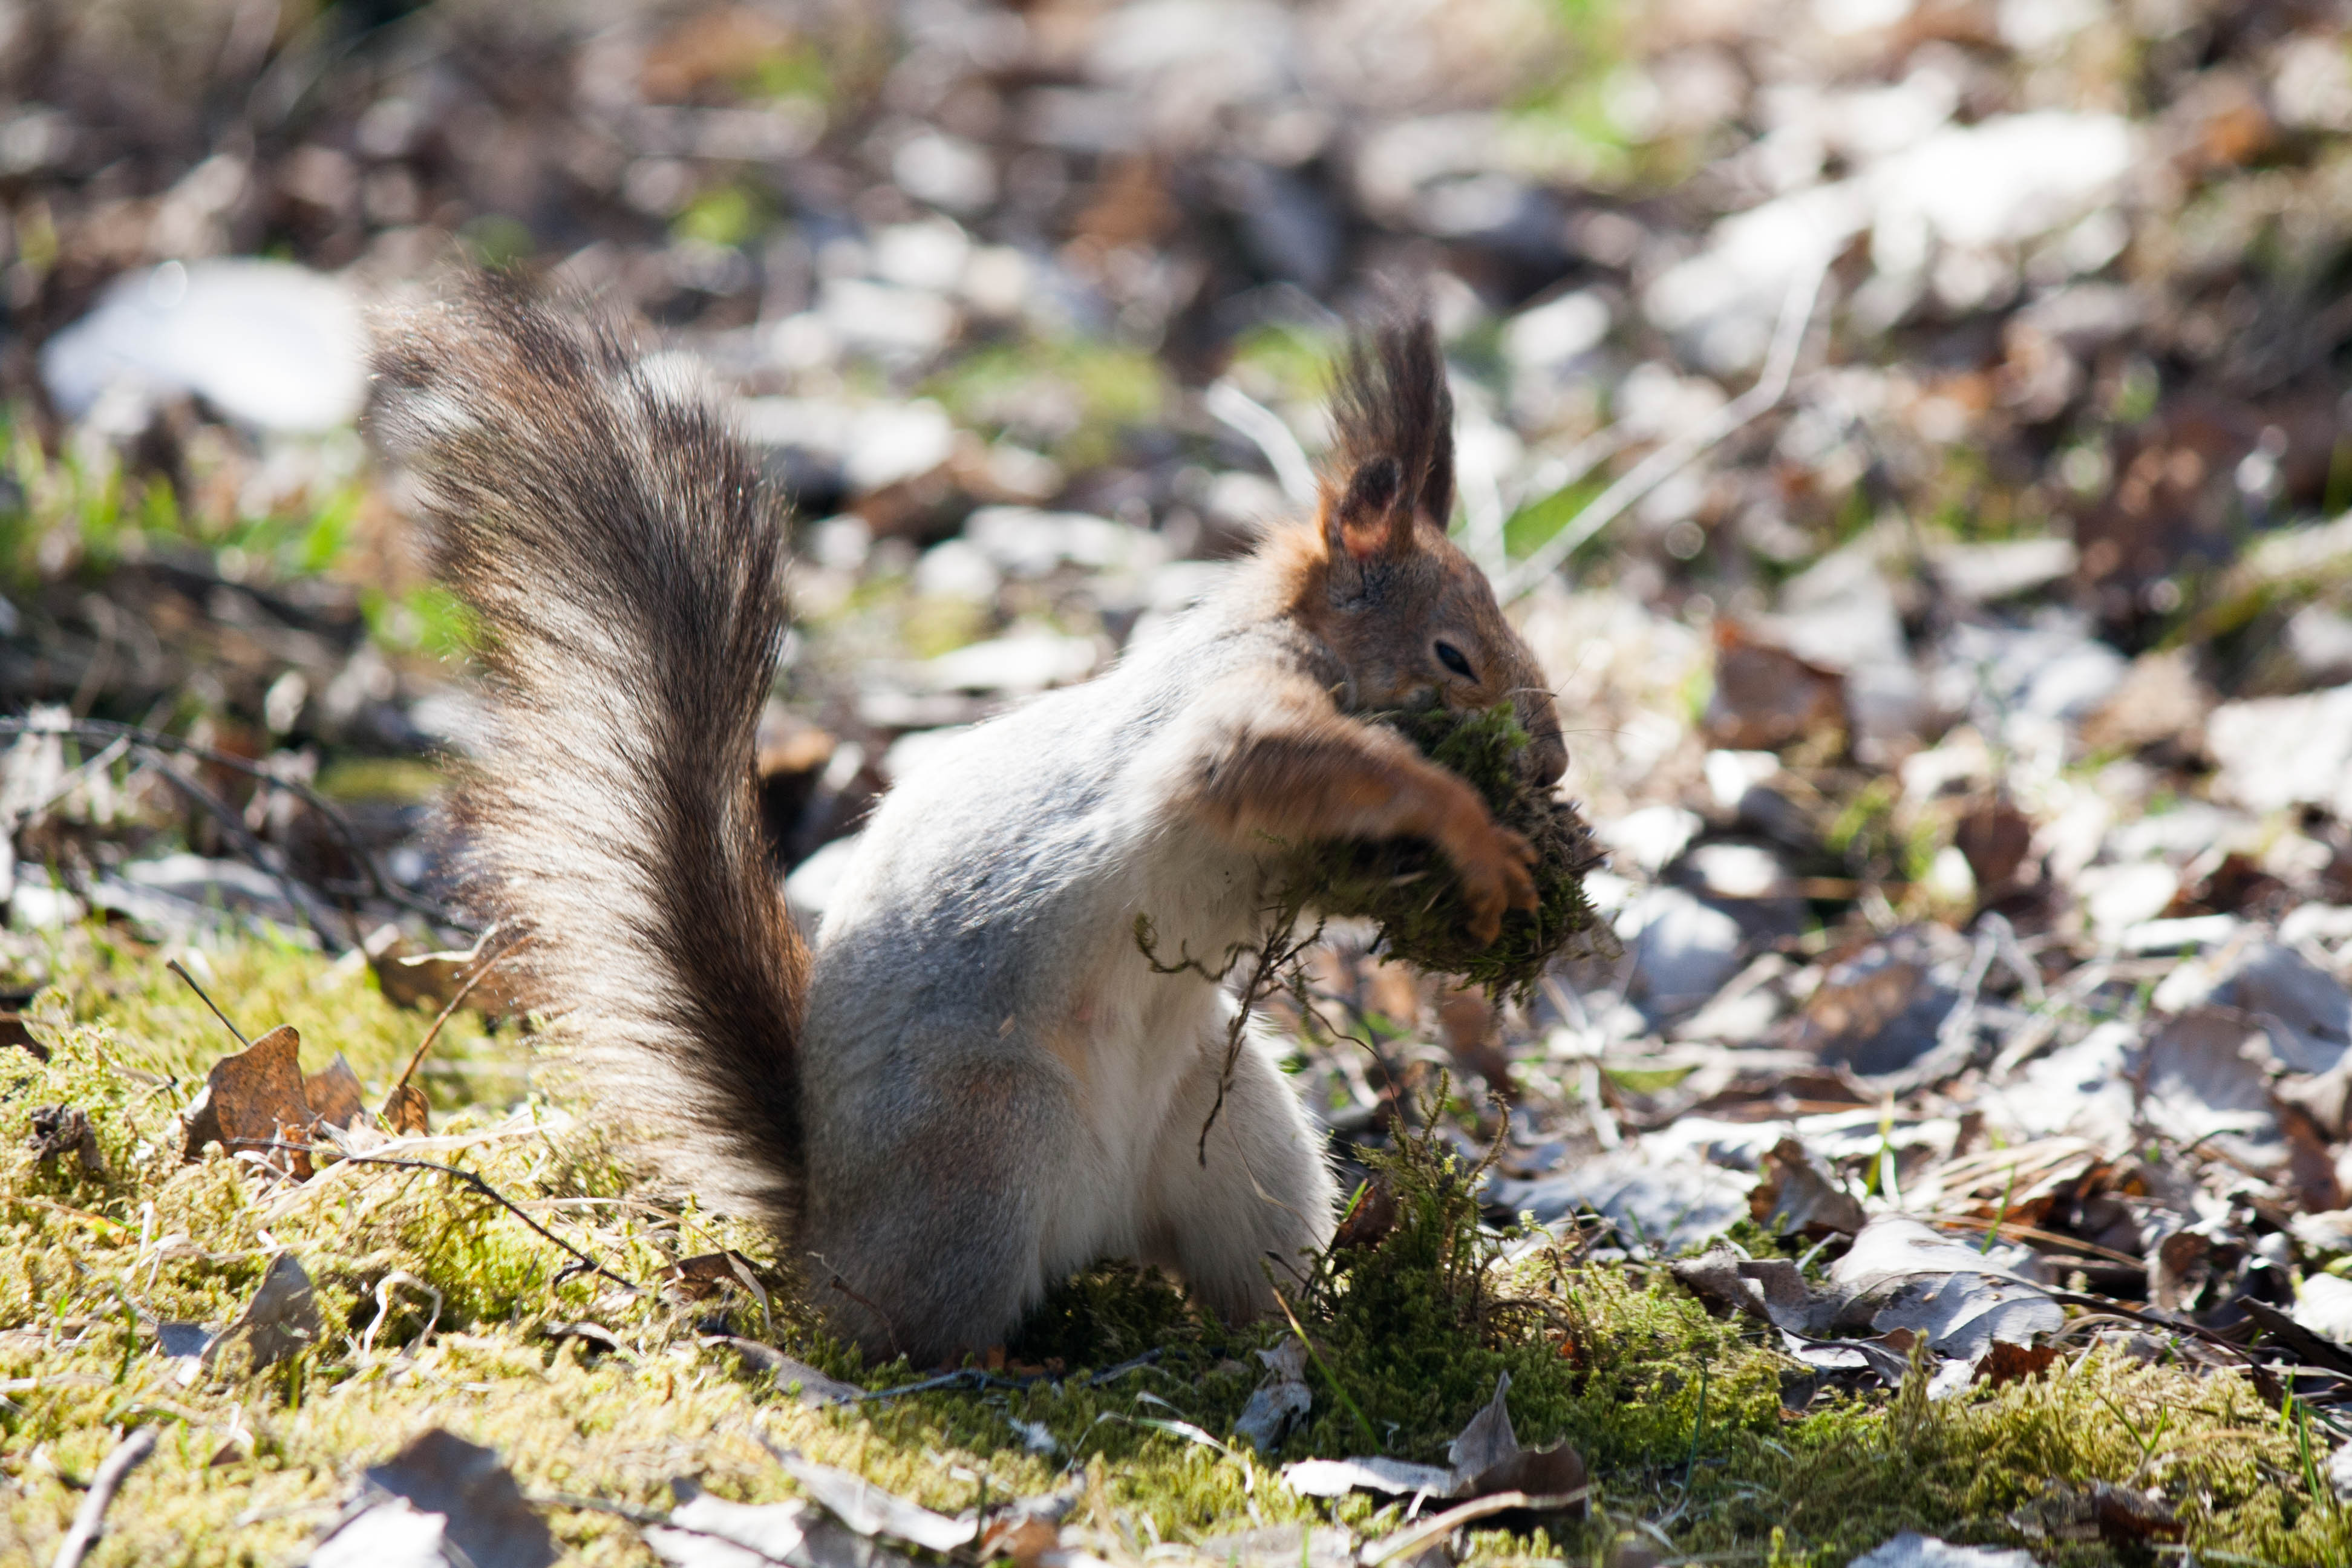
<point x="623" y="560"/>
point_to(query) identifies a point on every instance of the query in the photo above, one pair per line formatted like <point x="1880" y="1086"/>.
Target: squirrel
<point x="973" y="1082"/>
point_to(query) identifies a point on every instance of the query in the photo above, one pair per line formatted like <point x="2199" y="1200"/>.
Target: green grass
<point x="1409" y="1336"/>
<point x="1071" y="398"/>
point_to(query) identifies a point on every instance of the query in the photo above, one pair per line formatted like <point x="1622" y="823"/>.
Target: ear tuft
<point x="1389" y="401"/>
<point x="1367" y="519"/>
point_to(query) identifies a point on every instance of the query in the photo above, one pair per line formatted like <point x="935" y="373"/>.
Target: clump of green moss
<point x="1112" y="1312"/>
<point x="1405" y="886"/>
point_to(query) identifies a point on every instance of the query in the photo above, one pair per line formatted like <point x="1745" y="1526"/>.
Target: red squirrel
<point x="973" y="1082"/>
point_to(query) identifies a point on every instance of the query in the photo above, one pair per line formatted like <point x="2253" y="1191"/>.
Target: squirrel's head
<point x="1408" y="615"/>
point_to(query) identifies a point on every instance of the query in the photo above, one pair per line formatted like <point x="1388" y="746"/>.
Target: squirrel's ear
<point x="1373" y="517"/>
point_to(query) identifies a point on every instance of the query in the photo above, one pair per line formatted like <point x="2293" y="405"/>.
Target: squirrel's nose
<point x="1547" y="754"/>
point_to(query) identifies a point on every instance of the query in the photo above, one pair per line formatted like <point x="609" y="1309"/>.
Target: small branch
<point x="1277" y="958"/>
<point x="586" y="1264"/>
<point x="174" y="966"/>
<point x="1437" y="1527"/>
<point x="89" y="1520"/>
<point x="417" y="1057"/>
<point x="1771" y="385"/>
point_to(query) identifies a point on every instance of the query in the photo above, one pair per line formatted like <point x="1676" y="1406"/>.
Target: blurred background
<point x="1907" y="432"/>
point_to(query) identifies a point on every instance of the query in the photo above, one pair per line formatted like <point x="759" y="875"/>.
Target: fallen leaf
<point x="1026" y="1528"/>
<point x="387" y="1535"/>
<point x="1390" y="1477"/>
<point x="63" y="1129"/>
<point x="2127" y="1515"/>
<point x="1771" y="1289"/>
<point x="1766" y="698"/>
<point x="1800" y="1196"/>
<point x="814" y="1389"/>
<point x="1487" y="1460"/>
<point x="177" y="1340"/>
<point x="595" y="1336"/>
<point x="1283" y="1546"/>
<point x="1372" y="1217"/>
<point x="1279" y="1402"/>
<point x="333" y="1094"/>
<point x="1900" y="1274"/>
<point x="704" y="1532"/>
<point x="281" y="1320"/>
<point x="1487" y="1440"/>
<point x="439" y="1500"/>
<point x="2006" y="1363"/>
<point x="253" y="1098"/>
<point x="870" y="1510"/>
<point x="405" y="1110"/>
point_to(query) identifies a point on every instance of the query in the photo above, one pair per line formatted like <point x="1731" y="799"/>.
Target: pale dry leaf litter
<point x="1958" y="686"/>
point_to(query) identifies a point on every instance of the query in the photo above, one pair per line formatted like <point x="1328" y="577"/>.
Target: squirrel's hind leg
<point x="1266" y="1188"/>
<point x="927" y="1240"/>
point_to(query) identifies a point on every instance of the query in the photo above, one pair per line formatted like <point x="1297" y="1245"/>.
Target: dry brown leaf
<point x="2006" y="1363"/>
<point x="254" y="1098"/>
<point x="333" y="1093"/>
<point x="1800" y="1193"/>
<point x="63" y="1129"/>
<point x="405" y="1110"/>
<point x="1372" y="1217"/>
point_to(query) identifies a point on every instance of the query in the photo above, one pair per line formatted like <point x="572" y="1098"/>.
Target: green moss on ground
<point x="1680" y="1415"/>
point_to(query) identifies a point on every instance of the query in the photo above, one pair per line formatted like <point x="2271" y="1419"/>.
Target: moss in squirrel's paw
<point x="1406" y="889"/>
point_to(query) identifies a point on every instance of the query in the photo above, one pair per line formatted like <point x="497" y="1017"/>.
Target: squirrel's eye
<point x="1451" y="657"/>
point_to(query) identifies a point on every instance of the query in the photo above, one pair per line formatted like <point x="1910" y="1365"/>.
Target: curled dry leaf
<point x="1372" y="1216"/>
<point x="63" y="1129"/>
<point x="1484" y="1460"/>
<point x="1771" y="1289"/>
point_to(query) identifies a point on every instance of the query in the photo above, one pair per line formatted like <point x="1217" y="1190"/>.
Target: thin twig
<point x="232" y="822"/>
<point x="89" y="1520"/>
<point x="586" y="1264"/>
<point x="1277" y="956"/>
<point x="1669" y="459"/>
<point x="1437" y="1527"/>
<point x="174" y="966"/>
<point x="417" y="1057"/>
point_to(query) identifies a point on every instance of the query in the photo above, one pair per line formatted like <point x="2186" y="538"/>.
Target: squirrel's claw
<point x="1499" y="878"/>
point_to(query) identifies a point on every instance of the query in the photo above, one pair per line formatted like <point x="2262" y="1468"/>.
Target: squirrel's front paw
<point x="1496" y="874"/>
